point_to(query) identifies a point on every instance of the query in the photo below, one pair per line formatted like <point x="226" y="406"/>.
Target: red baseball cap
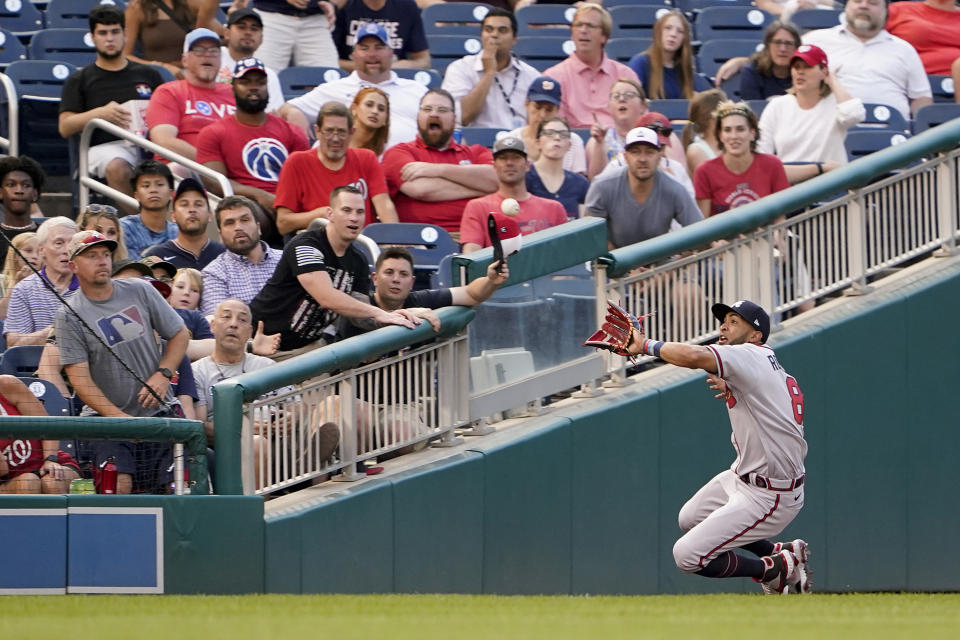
<point x="811" y="54"/>
<point x="658" y="122"/>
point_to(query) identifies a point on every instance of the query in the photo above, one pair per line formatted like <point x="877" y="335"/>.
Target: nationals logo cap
<point x="749" y="311"/>
<point x="811" y="54"/>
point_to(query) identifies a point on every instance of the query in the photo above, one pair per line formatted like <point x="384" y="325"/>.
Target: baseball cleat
<point x="783" y="570"/>
<point x="801" y="550"/>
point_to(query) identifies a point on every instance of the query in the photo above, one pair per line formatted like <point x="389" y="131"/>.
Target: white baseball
<point x="510" y="207"/>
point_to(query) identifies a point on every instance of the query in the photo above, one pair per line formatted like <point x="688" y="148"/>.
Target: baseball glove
<point x="615" y="334"/>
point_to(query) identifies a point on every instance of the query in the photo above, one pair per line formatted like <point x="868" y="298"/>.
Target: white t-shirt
<point x="808" y="135"/>
<point x="274" y="88"/>
<point x="207" y="373"/>
<point x="504" y="107"/>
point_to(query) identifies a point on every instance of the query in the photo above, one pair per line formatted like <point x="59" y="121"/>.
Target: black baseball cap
<point x="749" y="311"/>
<point x="236" y="16"/>
<point x="190" y="184"/>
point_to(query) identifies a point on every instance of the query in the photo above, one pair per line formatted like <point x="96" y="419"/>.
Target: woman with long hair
<point x="699" y="136"/>
<point x="768" y="71"/>
<point x="159" y="27"/>
<point x="103" y="219"/>
<point x="807" y="127"/>
<point x="665" y="69"/>
<point x="546" y="177"/>
<point x="16" y="268"/>
<point x="371" y="120"/>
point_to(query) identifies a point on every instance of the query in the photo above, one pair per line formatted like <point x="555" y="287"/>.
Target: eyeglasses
<point x="438" y="110"/>
<point x="586" y="25"/>
<point x="334" y="133"/>
<point x="783" y="43"/>
<point x="205" y="51"/>
<point x="100" y="208"/>
<point x="555" y="133"/>
<point x="625" y="95"/>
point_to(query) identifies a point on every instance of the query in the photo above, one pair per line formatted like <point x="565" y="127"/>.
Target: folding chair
<point x="694" y="6"/>
<point x="482" y="135"/>
<point x="72" y="14"/>
<point x="43" y="390"/>
<point x="426" y="77"/>
<point x="714" y="53"/>
<point x="22" y="18"/>
<point x="296" y="81"/>
<point x="622" y="49"/>
<point x="933" y="115"/>
<point x="545" y="20"/>
<point x="11" y="49"/>
<point x="636" y="21"/>
<point x="22" y="360"/>
<point x="427" y="243"/>
<point x="673" y="109"/>
<point x="446" y="49"/>
<point x="63" y="45"/>
<point x="942" y="87"/>
<point x="881" y="116"/>
<point x="454" y="19"/>
<point x="809" y="19"/>
<point x="542" y="52"/>
<point x="862" y="143"/>
<point x="726" y="22"/>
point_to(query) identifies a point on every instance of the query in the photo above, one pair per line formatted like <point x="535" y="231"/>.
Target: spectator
<point x="806" y="127"/>
<point x="665" y="69"/>
<point x="471" y="79"/>
<point x="373" y="58"/>
<point x="432" y="178"/>
<point x="401" y="19"/>
<point x="587" y="75"/>
<point x="740" y="175"/>
<point x="242" y="270"/>
<point x="251" y="146"/>
<point x="510" y="164"/>
<point x="320" y="278"/>
<point x="191" y="248"/>
<point x="187" y="289"/>
<point x="546" y="177"/>
<point x="35" y="299"/>
<point x="16" y="268"/>
<point x="242" y="37"/>
<point x="627" y="103"/>
<point x="784" y="9"/>
<point x="309" y="177"/>
<point x="371" y="120"/>
<point x="933" y="28"/>
<point x="152" y="184"/>
<point x="103" y="219"/>
<point x="295" y="33"/>
<point x="103" y="90"/>
<point x="179" y="110"/>
<point x="543" y="101"/>
<point x="638" y="201"/>
<point x="699" y="136"/>
<point x="768" y="73"/>
<point x="126" y="313"/>
<point x="21" y="181"/>
<point x="159" y="27"/>
<point x="161" y="271"/>
<point x="31" y="466"/>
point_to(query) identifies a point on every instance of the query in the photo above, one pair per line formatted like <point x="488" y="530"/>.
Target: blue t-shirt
<point x="138" y="238"/>
<point x="179" y="257"/>
<point x="756" y="86"/>
<point x="672" y="90"/>
<point x="401" y="19"/>
<point x="572" y="192"/>
<point x="196" y="324"/>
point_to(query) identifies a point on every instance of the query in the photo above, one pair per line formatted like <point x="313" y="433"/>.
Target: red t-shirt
<point x="189" y="108"/>
<point x="446" y="214"/>
<point x="536" y="214"/>
<point x="305" y="183"/>
<point x="728" y="190"/>
<point x="934" y="33"/>
<point x="254" y="156"/>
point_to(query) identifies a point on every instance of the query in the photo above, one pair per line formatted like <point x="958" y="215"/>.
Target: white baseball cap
<point x="642" y="135"/>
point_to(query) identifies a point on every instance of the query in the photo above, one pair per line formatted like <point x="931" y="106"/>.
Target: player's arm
<point x="690" y="356"/>
<point x="80" y="379"/>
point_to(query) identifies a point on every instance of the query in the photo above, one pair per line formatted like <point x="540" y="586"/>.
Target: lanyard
<point x="506" y="96"/>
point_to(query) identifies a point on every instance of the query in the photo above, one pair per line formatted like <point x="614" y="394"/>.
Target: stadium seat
<point x="21" y="18"/>
<point x="454" y="19"/>
<point x="427" y="243"/>
<point x="636" y="21"/>
<point x="63" y="45"/>
<point x="725" y="22"/>
<point x="583" y="133"/>
<point x="482" y="135"/>
<point x="757" y="106"/>
<point x="3" y="340"/>
<point x="881" y="116"/>
<point x="673" y="109"/>
<point x="443" y="276"/>
<point x="714" y="53"/>
<point x="542" y="52"/>
<point x="933" y="115"/>
<point x="165" y="74"/>
<point x="862" y="143"/>
<point x="53" y="401"/>
<point x="545" y="20"/>
<point x="427" y="77"/>
<point x="610" y="4"/>
<point x="296" y="81"/>
<point x="622" y="49"/>
<point x="693" y="6"/>
<point x="446" y="49"/>
<point x="11" y="49"/>
<point x="72" y="14"/>
<point x="821" y="18"/>
<point x="731" y="86"/>
<point x="942" y="87"/>
<point x="21" y="361"/>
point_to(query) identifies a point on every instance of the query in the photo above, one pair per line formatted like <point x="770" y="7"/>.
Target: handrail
<point x="764" y="211"/>
<point x="11" y="144"/>
<point x="86" y="182"/>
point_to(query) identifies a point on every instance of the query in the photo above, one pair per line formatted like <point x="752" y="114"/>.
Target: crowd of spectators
<point x="283" y="274"/>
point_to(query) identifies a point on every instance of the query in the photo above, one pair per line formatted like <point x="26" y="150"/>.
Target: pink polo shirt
<point x="586" y="91"/>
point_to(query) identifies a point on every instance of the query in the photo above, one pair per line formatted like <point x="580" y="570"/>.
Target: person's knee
<point x="52" y="486"/>
<point x="684" y="556"/>
<point x="687" y="518"/>
<point x="955" y="69"/>
<point x="24" y="483"/>
<point x="118" y="172"/>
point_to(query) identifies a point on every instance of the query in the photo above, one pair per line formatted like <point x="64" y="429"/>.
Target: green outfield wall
<point x="587" y="501"/>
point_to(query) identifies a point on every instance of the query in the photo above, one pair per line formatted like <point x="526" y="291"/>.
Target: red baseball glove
<point x="616" y="333"/>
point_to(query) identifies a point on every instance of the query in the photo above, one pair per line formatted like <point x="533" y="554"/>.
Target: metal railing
<point x="11" y="144"/>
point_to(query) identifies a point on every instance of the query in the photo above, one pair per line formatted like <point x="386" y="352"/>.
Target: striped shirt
<point x="32" y="305"/>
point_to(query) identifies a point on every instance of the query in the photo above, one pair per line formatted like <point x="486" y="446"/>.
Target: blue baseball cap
<point x="199" y="34"/>
<point x="749" y="311"/>
<point x="248" y="64"/>
<point x="374" y="29"/>
<point x="545" y="89"/>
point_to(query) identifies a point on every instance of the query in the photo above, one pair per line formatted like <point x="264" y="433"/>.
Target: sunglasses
<point x="659" y="128"/>
<point x="100" y="208"/>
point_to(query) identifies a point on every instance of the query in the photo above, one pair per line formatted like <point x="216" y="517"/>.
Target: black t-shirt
<point x="284" y="305"/>
<point x="92" y="87"/>
<point x="5" y="244"/>
<point x="429" y="298"/>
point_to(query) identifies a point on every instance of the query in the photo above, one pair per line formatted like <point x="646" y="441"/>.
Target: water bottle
<point x="458" y="135"/>
<point x="105" y="477"/>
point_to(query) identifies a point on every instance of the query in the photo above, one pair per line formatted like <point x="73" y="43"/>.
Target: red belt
<point x="766" y="483"/>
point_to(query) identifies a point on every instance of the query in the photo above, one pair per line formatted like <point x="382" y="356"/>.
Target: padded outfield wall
<point x="587" y="501"/>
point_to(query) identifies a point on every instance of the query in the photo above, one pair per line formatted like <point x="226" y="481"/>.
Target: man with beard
<point x="251" y="146"/>
<point x="179" y="110"/>
<point x="242" y="37"/>
<point x="432" y="178"/>
<point x="191" y="212"/>
<point x="309" y="177"/>
<point x="99" y="90"/>
<point x="535" y="214"/>
<point x="241" y="271"/>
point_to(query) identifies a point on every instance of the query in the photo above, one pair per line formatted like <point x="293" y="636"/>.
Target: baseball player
<point x="762" y="491"/>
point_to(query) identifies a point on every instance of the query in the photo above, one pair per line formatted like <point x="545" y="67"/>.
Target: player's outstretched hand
<point x="622" y="332"/>
<point x="719" y="385"/>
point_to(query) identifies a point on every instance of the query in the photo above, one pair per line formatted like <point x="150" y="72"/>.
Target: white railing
<point x="11" y="144"/>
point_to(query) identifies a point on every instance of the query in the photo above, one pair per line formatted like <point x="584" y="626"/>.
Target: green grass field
<point x="402" y="617"/>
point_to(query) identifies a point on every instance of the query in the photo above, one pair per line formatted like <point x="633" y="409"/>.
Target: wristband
<point x="819" y="168"/>
<point x="52" y="458"/>
<point x="249" y="346"/>
<point x="652" y="347"/>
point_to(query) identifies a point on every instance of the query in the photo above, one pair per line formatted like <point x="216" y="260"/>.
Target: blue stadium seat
<point x="881" y="116"/>
<point x="21" y="18"/>
<point x="714" y="53"/>
<point x="427" y="77"/>
<point x="673" y="109"/>
<point x="165" y="74"/>
<point x="11" y="49"/>
<point x="53" y="401"/>
<point x="583" y="133"/>
<point x="610" y="4"/>
<point x="427" y="243"/>
<point x="296" y="81"/>
<point x="757" y="106"/>
<point x="693" y="6"/>
<point x="716" y="22"/>
<point x="72" y="14"/>
<point x="482" y="135"/>
<point x="3" y="340"/>
<point x="636" y="21"/>
<point x="443" y="276"/>
<point x="63" y="45"/>
<point x="622" y="49"/>
<point x="542" y="52"/>
<point x="862" y="143"/>
<point x="22" y="360"/>
<point x="545" y="20"/>
<point x="446" y="49"/>
<point x="942" y="87"/>
<point x="933" y="115"/>
<point x="809" y="19"/>
<point x="731" y="86"/>
<point x="454" y="19"/>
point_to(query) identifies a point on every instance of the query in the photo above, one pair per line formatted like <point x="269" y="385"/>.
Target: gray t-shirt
<point x="629" y="222"/>
<point x="126" y="322"/>
<point x="207" y="373"/>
